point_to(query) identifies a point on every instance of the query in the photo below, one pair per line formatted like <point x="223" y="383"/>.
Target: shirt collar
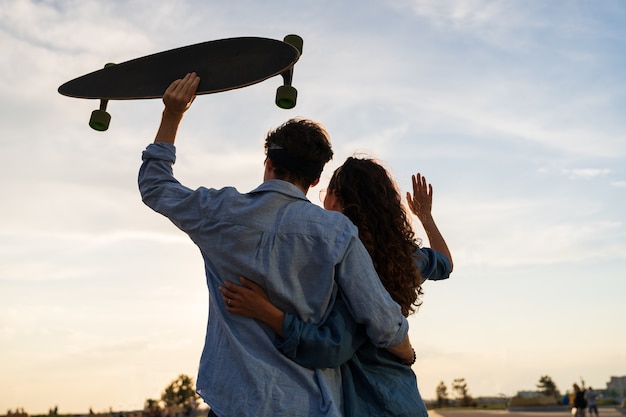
<point x="280" y="186"/>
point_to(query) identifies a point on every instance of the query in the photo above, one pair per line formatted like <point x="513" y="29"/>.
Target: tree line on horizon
<point x="179" y="398"/>
<point x="459" y="388"/>
<point x="546" y="387"/>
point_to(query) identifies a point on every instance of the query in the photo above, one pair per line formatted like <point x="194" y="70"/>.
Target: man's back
<point x="292" y="248"/>
<point x="275" y="238"/>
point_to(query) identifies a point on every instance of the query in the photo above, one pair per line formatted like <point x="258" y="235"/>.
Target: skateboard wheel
<point x="286" y="97"/>
<point x="99" y="120"/>
<point x="295" y="41"/>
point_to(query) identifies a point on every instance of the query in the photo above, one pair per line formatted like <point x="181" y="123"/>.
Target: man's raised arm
<point x="177" y="99"/>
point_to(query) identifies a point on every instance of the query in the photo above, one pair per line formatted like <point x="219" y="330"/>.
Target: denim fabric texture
<point x="302" y="255"/>
<point x="375" y="383"/>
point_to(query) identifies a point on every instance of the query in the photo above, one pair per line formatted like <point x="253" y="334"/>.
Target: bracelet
<point x="413" y="361"/>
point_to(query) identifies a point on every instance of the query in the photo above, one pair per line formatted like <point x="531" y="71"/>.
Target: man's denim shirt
<point x="299" y="253"/>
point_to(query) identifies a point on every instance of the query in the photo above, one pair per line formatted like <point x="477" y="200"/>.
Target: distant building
<point x="529" y="394"/>
<point x="617" y="385"/>
<point x="501" y="399"/>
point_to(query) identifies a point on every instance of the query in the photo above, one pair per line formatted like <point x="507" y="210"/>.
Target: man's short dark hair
<point x="298" y="149"/>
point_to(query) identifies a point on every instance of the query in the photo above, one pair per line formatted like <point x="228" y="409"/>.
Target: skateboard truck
<point x="100" y="118"/>
<point x="286" y="95"/>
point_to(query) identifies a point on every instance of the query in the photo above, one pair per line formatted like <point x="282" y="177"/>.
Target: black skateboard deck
<point x="222" y="65"/>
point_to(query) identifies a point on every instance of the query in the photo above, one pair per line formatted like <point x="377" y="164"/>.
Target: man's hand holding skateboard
<point x="177" y="99"/>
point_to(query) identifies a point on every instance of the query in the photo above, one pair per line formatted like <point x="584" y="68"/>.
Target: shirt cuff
<point x="160" y="150"/>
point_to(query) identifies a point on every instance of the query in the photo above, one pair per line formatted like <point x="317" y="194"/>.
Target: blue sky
<point x="514" y="110"/>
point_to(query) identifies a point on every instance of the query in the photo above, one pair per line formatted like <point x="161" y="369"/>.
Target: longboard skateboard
<point x="222" y="65"/>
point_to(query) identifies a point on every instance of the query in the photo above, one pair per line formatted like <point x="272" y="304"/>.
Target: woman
<point x="374" y="381"/>
<point x="580" y="403"/>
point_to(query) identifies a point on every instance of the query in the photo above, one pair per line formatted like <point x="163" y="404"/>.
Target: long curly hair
<point x="371" y="200"/>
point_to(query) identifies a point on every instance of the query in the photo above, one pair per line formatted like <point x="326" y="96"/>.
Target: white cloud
<point x="466" y="13"/>
<point x="71" y="27"/>
<point x="586" y="173"/>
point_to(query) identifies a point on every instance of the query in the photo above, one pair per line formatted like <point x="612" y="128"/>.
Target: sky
<point x="513" y="110"/>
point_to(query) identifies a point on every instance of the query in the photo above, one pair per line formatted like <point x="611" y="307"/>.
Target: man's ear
<point x="269" y="170"/>
<point x="314" y="183"/>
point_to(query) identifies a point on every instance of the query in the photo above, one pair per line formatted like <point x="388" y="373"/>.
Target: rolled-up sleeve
<point x="433" y="265"/>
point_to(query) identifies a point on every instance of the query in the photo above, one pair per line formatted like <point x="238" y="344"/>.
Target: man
<point x="591" y="396"/>
<point x="298" y="252"/>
